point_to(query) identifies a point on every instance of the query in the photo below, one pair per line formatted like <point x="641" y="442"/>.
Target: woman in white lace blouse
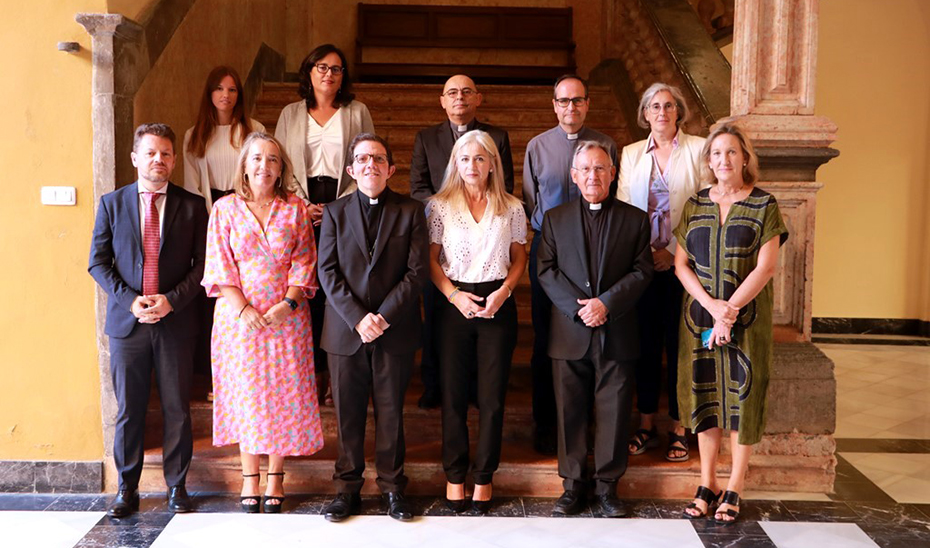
<point x="477" y="255"/>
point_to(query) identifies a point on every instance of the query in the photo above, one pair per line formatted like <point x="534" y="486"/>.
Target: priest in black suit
<point x="431" y="149"/>
<point x="373" y="262"/>
<point x="594" y="263"/>
<point x="147" y="253"/>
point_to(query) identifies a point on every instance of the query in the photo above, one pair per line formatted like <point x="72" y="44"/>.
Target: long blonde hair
<point x="453" y="186"/>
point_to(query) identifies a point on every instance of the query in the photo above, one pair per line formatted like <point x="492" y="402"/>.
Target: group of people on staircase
<point x="310" y="262"/>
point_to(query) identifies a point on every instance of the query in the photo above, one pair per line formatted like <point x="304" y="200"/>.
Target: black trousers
<point x="605" y="383"/>
<point x="429" y="358"/>
<point x="152" y="348"/>
<point x="322" y="190"/>
<point x="370" y="373"/>
<point x="540" y="363"/>
<point x="659" y="311"/>
<point x="487" y="344"/>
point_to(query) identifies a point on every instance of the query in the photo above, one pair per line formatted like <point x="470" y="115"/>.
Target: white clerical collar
<point x="595" y="207"/>
<point x="572" y="136"/>
<point x="461" y="129"/>
<point x="372" y="201"/>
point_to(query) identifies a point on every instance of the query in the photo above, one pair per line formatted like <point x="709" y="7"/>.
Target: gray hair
<point x="651" y="91"/>
<point x="589" y="145"/>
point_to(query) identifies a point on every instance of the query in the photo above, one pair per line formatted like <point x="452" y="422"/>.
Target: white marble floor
<point x="820" y="535"/>
<point x="235" y="530"/>
<point x="45" y="529"/>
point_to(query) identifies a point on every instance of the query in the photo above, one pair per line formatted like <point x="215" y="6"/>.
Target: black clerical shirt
<point x="595" y="228"/>
<point x="371" y="218"/>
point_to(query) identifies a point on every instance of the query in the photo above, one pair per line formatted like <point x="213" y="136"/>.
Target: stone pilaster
<point x="116" y="43"/>
<point x="772" y="97"/>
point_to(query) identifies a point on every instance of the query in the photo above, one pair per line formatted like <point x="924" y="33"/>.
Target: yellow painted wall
<point x="214" y="32"/>
<point x="872" y="255"/>
<point x="50" y="403"/>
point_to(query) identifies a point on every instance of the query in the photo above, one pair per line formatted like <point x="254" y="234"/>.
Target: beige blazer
<point x="292" y="132"/>
<point x="684" y="181"/>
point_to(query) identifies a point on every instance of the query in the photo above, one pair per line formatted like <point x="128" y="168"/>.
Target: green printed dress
<point x="725" y="387"/>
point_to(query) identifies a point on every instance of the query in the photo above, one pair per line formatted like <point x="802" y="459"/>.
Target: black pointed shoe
<point x="125" y="503"/>
<point x="179" y="501"/>
<point x="397" y="506"/>
<point x="571" y="503"/>
<point x="343" y="506"/>
<point x="609" y="506"/>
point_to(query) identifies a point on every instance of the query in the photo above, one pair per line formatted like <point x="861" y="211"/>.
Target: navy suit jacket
<point x="432" y="148"/>
<point x="388" y="282"/>
<point x="116" y="257"/>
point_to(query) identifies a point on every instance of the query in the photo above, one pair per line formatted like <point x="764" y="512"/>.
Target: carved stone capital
<point x="102" y="25"/>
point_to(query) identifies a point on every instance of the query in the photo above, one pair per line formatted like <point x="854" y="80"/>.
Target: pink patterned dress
<point x="264" y="388"/>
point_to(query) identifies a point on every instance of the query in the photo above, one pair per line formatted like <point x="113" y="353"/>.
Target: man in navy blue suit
<point x="147" y="253"/>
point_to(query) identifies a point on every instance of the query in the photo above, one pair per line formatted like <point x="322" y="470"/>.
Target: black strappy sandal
<point x="250" y="507"/>
<point x="279" y="501"/>
<point x="708" y="496"/>
<point x="731" y="498"/>
<point x="644" y="439"/>
<point x="674" y="438"/>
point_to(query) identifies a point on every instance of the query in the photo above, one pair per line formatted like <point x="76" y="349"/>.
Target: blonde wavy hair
<point x="452" y="191"/>
<point x="750" y="170"/>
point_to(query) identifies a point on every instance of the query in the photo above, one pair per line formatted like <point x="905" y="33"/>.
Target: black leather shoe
<point x="481" y="507"/>
<point x="125" y="503"/>
<point x="571" y="503"/>
<point x="544" y="442"/>
<point x="343" y="506"/>
<point x="179" y="501"/>
<point x="429" y="400"/>
<point x="397" y="506"/>
<point x="609" y="506"/>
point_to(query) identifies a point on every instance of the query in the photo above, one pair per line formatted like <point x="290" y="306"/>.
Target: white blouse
<point x="217" y="169"/>
<point x="475" y="252"/>
<point x="324" y="144"/>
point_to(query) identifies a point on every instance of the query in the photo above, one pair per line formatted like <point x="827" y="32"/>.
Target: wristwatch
<point x="291" y="303"/>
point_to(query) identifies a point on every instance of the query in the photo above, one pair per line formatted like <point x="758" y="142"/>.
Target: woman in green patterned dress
<point x="728" y="242"/>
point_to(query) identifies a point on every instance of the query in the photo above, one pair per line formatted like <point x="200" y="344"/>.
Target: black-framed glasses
<point x="455" y="93"/>
<point x="564" y="101"/>
<point x="363" y="158"/>
<point x="655" y="108"/>
<point x="323" y="68"/>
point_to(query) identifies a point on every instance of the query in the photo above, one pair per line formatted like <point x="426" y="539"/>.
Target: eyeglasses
<point x="598" y="170"/>
<point x="379" y="159"/>
<point x="655" y="108"/>
<point x="323" y="68"/>
<point x="455" y="93"/>
<point x="577" y="101"/>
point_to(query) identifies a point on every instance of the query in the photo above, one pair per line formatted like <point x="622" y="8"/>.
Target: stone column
<point x="772" y="97"/>
<point x="772" y="94"/>
<point x="116" y="42"/>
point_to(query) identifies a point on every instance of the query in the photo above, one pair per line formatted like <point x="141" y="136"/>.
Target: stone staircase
<point x="399" y="111"/>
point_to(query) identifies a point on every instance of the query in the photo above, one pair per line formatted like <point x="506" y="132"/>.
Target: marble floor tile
<point x="821" y="535"/>
<point x="904" y="476"/>
<point x="821" y="512"/>
<point x="37" y="529"/>
<point x="27" y="501"/>
<point x="285" y="530"/>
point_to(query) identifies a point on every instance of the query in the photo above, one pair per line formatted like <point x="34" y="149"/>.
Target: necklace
<point x="263" y="206"/>
<point x="723" y="194"/>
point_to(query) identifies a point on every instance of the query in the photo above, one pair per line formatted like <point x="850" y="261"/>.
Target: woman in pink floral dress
<point x="261" y="262"/>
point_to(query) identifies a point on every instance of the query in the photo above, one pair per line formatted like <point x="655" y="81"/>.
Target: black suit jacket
<point x="116" y="257"/>
<point x="388" y="282"/>
<point x="431" y="151"/>
<point x="626" y="270"/>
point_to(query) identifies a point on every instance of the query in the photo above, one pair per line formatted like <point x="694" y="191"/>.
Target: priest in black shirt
<point x="594" y="263"/>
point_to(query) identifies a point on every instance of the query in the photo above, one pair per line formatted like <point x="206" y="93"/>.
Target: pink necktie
<point x="151" y="241"/>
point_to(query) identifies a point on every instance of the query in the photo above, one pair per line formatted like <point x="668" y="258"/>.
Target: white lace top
<point x="475" y="252"/>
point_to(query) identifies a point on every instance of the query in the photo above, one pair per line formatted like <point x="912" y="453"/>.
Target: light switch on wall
<point x="59" y="195"/>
